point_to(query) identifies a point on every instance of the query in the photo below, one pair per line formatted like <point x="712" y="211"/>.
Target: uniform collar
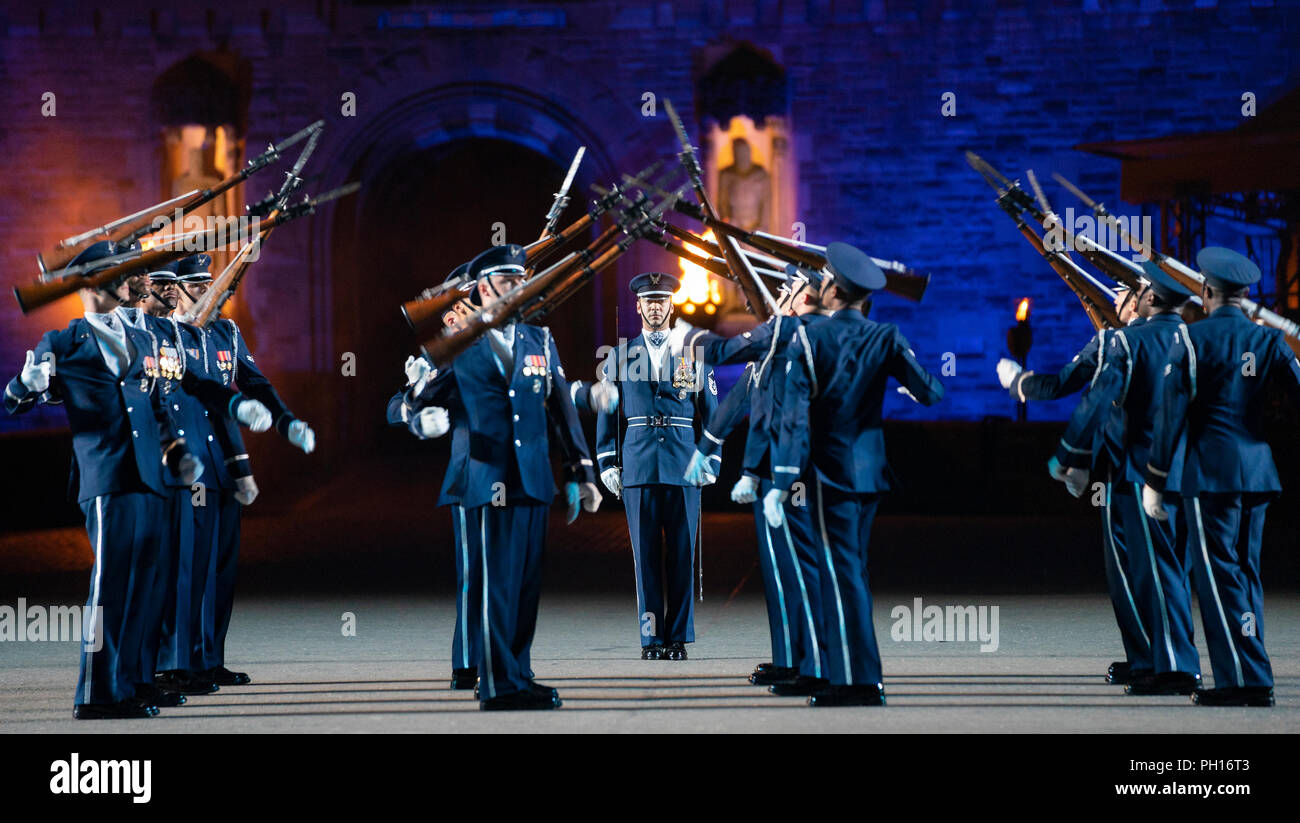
<point x="1229" y="311"/>
<point x="1165" y="317"/>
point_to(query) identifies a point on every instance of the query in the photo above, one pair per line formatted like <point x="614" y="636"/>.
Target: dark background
<point x="467" y="114"/>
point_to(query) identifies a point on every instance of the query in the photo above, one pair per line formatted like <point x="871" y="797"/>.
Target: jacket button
<point x="512" y="392"/>
<point x="121" y="382"/>
<point x="517" y="443"/>
<point x="209" y="438"/>
<point x="135" y="434"/>
<point x="181" y="432"/>
<point x="516" y="418"/>
<point x="130" y="409"/>
<point x="660" y="439"/>
<point x="176" y="407"/>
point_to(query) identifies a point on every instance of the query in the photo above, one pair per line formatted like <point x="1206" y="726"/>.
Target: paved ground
<point x="391" y="677"/>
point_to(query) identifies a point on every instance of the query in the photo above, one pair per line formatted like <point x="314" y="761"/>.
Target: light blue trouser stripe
<point x="1214" y="587"/>
<point x="835" y="583"/>
<point x="814" y="649"/>
<point x="464" y="591"/>
<point x="780" y="595"/>
<point x="487" y="624"/>
<point x="1155" y="574"/>
<point x="95" y="627"/>
<point x="1119" y="567"/>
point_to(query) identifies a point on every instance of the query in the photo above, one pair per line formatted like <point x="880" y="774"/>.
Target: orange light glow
<point x="1022" y="310"/>
<point x="698" y="287"/>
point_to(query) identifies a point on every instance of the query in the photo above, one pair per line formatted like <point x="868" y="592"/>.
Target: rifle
<point x="1015" y="201"/>
<point x="1190" y="279"/>
<point x="760" y="301"/>
<point x="539" y="250"/>
<point x="562" y="196"/>
<point x="899" y="279"/>
<point x="635" y="226"/>
<point x="223" y="288"/>
<point x="536" y="295"/>
<point x="42" y="293"/>
<point x="134" y="226"/>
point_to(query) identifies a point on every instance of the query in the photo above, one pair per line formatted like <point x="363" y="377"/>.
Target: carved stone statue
<point x="744" y="190"/>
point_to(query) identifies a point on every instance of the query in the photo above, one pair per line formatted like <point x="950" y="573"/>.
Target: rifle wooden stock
<point x="35" y="295"/>
<point x="575" y="279"/>
<point x="421" y="314"/>
<point x="1099" y="310"/>
<point x="42" y="293"/>
<point x="538" y="251"/>
<point x="444" y="348"/>
<point x="908" y="286"/>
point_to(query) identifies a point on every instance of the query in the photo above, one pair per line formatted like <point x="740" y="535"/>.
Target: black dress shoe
<point x="153" y="695"/>
<point x="1234" y="696"/>
<point x="675" y="650"/>
<point x="124" y="709"/>
<point x="539" y="688"/>
<point x="522" y="700"/>
<point x="1163" y="683"/>
<point x="801" y="686"/>
<point x="856" y="695"/>
<point x="225" y="677"/>
<point x="773" y="674"/>
<point x="762" y="667"/>
<point x="464" y="678"/>
<point x="655" y="651"/>
<point x="1118" y="673"/>
<point x="184" y="682"/>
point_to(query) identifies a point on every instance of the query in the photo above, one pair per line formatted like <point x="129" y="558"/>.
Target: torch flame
<point x="1022" y="310"/>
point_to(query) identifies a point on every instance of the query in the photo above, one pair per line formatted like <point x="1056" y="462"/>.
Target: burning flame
<point x="1022" y="310"/>
<point x="697" y="288"/>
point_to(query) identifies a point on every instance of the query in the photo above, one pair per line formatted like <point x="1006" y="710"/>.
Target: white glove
<point x="433" y="422"/>
<point x="745" y="490"/>
<point x="1076" y="481"/>
<point x="253" y="415"/>
<point x="697" y="470"/>
<point x="245" y="490"/>
<point x="190" y="469"/>
<point x="604" y="397"/>
<point x="1007" y="371"/>
<point x="591" y="497"/>
<point x="417" y="369"/>
<point x="35" y="376"/>
<point x="301" y="435"/>
<point x="903" y="390"/>
<point x="774" y="507"/>
<point x="613" y="480"/>
<point x="1153" y="502"/>
<point x="1056" y="470"/>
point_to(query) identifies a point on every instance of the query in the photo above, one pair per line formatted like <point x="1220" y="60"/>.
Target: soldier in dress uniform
<point x="830" y="433"/>
<point x="1212" y="409"/>
<point x="226" y="355"/>
<point x="1110" y="433"/>
<point x="105" y="374"/>
<point x="1078" y="374"/>
<point x="179" y="643"/>
<point x="665" y="399"/>
<point x="787" y="555"/>
<point x="431" y="422"/>
<point x="512" y="387"/>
